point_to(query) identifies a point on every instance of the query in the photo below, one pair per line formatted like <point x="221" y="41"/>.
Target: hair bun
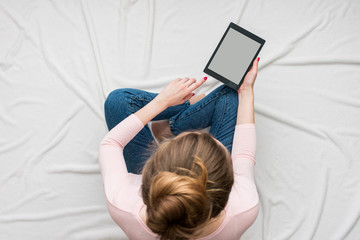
<point x="179" y="204"/>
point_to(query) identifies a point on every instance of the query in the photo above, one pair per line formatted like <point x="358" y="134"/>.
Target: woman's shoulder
<point x="126" y="195"/>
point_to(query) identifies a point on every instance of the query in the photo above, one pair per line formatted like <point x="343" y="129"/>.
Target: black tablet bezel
<point x="246" y="33"/>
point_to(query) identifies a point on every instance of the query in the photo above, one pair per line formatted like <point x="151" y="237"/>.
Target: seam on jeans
<point x="133" y="102"/>
<point x="198" y="109"/>
<point x="172" y="128"/>
<point x="171" y="125"/>
<point x="222" y="116"/>
<point x="141" y="98"/>
<point x="132" y="107"/>
<point x="171" y="119"/>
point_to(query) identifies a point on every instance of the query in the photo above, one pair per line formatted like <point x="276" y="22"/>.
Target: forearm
<point x="151" y="110"/>
<point x="246" y="107"/>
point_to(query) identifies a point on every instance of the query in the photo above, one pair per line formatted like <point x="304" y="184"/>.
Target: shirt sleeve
<point x="243" y="156"/>
<point x="111" y="160"/>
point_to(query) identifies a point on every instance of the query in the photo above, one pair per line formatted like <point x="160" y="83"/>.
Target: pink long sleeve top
<point x="123" y="189"/>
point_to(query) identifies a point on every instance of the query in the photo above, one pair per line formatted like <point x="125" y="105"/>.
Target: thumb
<point x="190" y="95"/>
<point x="255" y="65"/>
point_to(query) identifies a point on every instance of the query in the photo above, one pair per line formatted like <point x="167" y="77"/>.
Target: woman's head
<point x="186" y="182"/>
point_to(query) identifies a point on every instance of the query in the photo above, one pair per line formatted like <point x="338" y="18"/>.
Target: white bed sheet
<point x="60" y="59"/>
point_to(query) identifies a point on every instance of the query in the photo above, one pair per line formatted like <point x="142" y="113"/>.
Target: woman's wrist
<point x="247" y="94"/>
<point x="151" y="110"/>
<point x="161" y="103"/>
<point x="246" y="107"/>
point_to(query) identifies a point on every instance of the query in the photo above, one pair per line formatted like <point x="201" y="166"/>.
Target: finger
<point x="197" y="84"/>
<point x="177" y="80"/>
<point x="255" y="64"/>
<point x="187" y="97"/>
<point x="191" y="81"/>
<point x="186" y="79"/>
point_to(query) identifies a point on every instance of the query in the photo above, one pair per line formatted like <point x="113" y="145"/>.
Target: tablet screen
<point x="234" y="55"/>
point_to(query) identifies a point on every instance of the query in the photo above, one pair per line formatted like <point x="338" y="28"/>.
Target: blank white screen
<point x="234" y="56"/>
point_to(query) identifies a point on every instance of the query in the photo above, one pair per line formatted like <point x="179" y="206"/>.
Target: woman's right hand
<point x="178" y="91"/>
<point x="249" y="80"/>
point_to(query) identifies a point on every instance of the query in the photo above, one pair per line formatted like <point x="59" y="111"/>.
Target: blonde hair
<point x="185" y="183"/>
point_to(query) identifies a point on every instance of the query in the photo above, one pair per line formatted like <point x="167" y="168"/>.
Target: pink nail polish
<point x="205" y="78"/>
<point x="258" y="59"/>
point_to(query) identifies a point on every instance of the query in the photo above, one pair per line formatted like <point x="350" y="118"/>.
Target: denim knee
<point x="116" y="106"/>
<point x="116" y="97"/>
<point x="230" y="93"/>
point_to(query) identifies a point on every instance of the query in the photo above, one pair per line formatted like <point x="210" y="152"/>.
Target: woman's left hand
<point x="178" y="91"/>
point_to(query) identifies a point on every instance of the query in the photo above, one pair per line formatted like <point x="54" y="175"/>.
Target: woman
<point x="195" y="185"/>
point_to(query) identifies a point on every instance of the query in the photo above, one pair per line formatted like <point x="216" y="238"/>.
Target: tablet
<point x="234" y="55"/>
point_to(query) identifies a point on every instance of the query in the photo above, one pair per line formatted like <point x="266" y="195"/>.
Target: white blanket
<point x="60" y="59"/>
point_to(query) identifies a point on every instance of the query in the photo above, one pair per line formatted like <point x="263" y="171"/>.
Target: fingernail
<point x="193" y="94"/>
<point x="205" y="78"/>
<point x="258" y="59"/>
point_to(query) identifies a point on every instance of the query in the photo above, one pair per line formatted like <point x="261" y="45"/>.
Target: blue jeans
<point x="218" y="110"/>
